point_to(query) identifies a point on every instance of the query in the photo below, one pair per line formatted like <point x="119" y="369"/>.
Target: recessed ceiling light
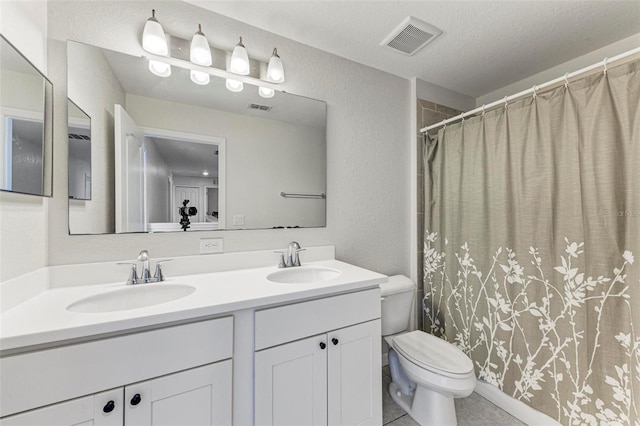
<point x="205" y="173"/>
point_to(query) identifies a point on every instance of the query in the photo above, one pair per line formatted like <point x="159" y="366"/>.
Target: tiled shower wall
<point x="428" y="113"/>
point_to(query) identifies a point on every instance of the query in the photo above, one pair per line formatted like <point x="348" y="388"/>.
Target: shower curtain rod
<point x="535" y="89"/>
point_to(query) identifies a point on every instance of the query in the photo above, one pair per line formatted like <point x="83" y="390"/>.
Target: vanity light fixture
<point x="155" y="41"/>
<point x="239" y="60"/>
<point x="200" y="54"/>
<point x="275" y="70"/>
<point x="161" y="69"/>
<point x="153" y="37"/>
<point x="234" y="85"/>
<point x="266" y="92"/>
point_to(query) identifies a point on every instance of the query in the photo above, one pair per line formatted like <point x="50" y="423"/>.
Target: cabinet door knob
<point x="136" y="399"/>
<point x="335" y="341"/>
<point x="109" y="407"/>
<point x="322" y="345"/>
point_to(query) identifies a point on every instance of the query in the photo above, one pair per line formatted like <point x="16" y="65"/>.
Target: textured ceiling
<point x="485" y="45"/>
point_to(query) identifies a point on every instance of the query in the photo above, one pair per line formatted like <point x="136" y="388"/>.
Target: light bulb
<point x="200" y="52"/>
<point x="266" y="92"/>
<point x="199" y="77"/>
<point x="234" y="85"/>
<point x="161" y="69"/>
<point x="275" y="70"/>
<point x="153" y="38"/>
<point x="239" y="60"/>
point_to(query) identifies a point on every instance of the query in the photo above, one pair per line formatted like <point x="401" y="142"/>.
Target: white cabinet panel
<point x="354" y="375"/>
<point x="283" y="324"/>
<point x="291" y="384"/>
<point x="102" y="409"/>
<point x="44" y="377"/>
<point x="197" y="397"/>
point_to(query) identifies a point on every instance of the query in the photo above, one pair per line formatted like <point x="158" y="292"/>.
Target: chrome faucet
<point x="146" y="271"/>
<point x="293" y="257"/>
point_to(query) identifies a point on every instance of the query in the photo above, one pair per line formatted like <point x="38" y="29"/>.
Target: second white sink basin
<point x="303" y="275"/>
<point x="131" y="297"/>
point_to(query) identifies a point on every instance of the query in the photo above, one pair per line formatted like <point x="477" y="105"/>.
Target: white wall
<point x="368" y="181"/>
<point x="23" y="218"/>
<point x="157" y="172"/>
<point x="575" y="64"/>
<point x="93" y="86"/>
<point x="263" y="158"/>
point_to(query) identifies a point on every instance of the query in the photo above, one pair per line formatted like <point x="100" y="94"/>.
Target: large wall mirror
<point x="26" y="131"/>
<point x="168" y="155"/>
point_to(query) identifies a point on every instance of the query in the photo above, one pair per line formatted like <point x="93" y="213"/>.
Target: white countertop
<point x="43" y="320"/>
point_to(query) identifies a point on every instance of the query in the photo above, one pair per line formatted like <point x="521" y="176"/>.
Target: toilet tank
<point x="397" y="303"/>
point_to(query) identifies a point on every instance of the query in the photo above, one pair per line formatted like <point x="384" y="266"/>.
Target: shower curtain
<point x="532" y="246"/>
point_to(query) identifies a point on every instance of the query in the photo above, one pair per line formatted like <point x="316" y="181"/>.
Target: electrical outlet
<point x="238" y="219"/>
<point x="211" y="245"/>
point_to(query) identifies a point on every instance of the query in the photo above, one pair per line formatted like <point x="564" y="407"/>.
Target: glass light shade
<point x="239" y="60"/>
<point x="266" y="92"/>
<point x="160" y="69"/>
<point x="275" y="70"/>
<point x="153" y="37"/>
<point x="199" y="77"/>
<point x="234" y="85"/>
<point x="200" y="52"/>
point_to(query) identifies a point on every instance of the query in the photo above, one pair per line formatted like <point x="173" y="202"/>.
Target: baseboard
<point x="517" y="409"/>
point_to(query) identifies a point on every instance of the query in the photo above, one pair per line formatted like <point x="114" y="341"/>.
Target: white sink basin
<point x="131" y="297"/>
<point x="303" y="275"/>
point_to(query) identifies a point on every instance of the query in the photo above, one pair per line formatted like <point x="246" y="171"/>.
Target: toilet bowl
<point x="427" y="372"/>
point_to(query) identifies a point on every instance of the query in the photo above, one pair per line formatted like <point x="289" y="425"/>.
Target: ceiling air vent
<point x="411" y="36"/>
<point x="260" y="107"/>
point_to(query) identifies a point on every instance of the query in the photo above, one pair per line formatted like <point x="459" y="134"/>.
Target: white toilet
<point x="427" y="372"/>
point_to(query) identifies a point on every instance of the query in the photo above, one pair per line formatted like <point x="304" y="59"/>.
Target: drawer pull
<point x="322" y="345"/>
<point x="335" y="341"/>
<point x="136" y="399"/>
<point x="109" y="407"/>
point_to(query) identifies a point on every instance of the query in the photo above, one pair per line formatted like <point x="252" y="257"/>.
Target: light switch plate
<point x="211" y="245"/>
<point x="238" y="219"/>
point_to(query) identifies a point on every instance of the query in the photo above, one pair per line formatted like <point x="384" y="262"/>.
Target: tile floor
<point x="471" y="411"/>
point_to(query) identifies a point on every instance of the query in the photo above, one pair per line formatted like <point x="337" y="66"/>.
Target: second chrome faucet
<point x="146" y="272"/>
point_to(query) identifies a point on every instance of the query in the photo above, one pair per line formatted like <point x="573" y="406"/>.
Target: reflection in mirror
<point x="153" y="139"/>
<point x="167" y="181"/>
<point x="25" y="125"/>
<point x="79" y="128"/>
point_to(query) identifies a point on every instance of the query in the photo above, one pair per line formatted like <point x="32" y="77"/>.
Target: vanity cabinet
<point x="183" y="369"/>
<point x="329" y="371"/>
<point x="200" y="396"/>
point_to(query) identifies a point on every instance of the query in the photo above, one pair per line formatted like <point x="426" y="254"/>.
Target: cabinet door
<point x="291" y="383"/>
<point x="197" y="397"/>
<point x="354" y="375"/>
<point x="102" y="409"/>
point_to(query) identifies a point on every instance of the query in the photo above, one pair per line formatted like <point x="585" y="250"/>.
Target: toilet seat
<point x="433" y="354"/>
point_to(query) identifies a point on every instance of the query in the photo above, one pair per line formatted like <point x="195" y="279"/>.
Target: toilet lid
<point x="432" y="353"/>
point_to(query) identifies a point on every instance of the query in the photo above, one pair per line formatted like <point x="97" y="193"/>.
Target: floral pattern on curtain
<point x="531" y="251"/>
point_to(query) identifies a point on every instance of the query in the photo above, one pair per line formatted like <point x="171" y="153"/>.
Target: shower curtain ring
<point x="506" y="104"/>
<point x="483" y="110"/>
<point x="566" y="80"/>
<point x="444" y="124"/>
<point x="535" y="91"/>
<point x="605" y="65"/>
